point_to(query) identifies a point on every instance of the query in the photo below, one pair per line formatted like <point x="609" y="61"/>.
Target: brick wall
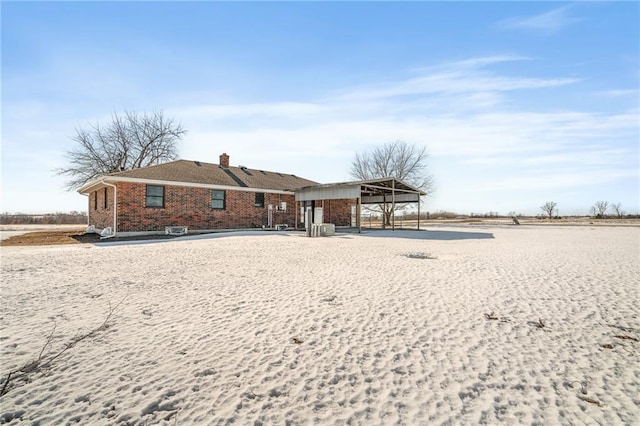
<point x="99" y="216"/>
<point x="191" y="207"/>
<point x="337" y="212"/>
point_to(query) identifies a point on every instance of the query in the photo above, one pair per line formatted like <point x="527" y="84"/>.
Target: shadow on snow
<point x="415" y="235"/>
<point x="429" y="235"/>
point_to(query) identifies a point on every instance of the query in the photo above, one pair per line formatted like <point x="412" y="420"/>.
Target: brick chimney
<point x="224" y="160"/>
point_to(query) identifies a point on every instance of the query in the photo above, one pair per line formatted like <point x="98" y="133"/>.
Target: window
<point x="217" y="200"/>
<point x="95" y="200"/>
<point x="105" y="198"/>
<point x="155" y="196"/>
<point x="259" y="199"/>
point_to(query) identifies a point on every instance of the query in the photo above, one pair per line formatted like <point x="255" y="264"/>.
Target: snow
<point x="379" y="328"/>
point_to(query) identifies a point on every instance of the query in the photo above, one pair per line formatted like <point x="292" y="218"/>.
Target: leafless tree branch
<point x="550" y="207"/>
<point x="46" y="359"/>
<point x="129" y="141"/>
<point x="617" y="209"/>
<point x="397" y="159"/>
<point x="600" y="208"/>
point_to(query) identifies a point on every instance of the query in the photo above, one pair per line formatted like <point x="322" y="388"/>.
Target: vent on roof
<point x="263" y="172"/>
<point x="245" y="170"/>
<point x="279" y="174"/>
<point x="198" y="163"/>
<point x="235" y="178"/>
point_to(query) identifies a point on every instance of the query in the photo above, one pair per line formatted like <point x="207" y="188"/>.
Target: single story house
<point x="202" y="197"/>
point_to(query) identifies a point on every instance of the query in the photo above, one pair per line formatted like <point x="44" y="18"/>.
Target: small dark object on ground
<point x="590" y="400"/>
<point x="623" y="337"/>
<point x="538" y="324"/>
<point x="607" y="346"/>
<point x="420" y="256"/>
<point x="329" y="299"/>
<point x="297" y="341"/>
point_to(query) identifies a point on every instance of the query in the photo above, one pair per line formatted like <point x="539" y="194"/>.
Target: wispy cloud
<point x="558" y="179"/>
<point x="466" y="121"/>
<point x="479" y="140"/>
<point x="468" y="77"/>
<point x="619" y="93"/>
<point x="545" y="23"/>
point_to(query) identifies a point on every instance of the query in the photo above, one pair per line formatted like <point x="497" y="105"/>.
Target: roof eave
<point x="114" y="179"/>
<point x="85" y="189"/>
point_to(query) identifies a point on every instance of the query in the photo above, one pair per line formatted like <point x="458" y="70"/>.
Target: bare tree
<point x="130" y="141"/>
<point x="617" y="209"/>
<point x="549" y="208"/>
<point x="398" y="159"/>
<point x="600" y="208"/>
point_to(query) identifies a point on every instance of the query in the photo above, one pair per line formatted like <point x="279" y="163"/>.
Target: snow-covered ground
<point x="459" y="325"/>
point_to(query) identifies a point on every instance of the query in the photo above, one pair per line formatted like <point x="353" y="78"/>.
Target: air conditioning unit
<point x="175" y="230"/>
<point x="322" y="230"/>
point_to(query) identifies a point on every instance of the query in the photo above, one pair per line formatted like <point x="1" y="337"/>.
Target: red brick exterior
<point x="224" y="160"/>
<point x="187" y="206"/>
<point x="191" y="207"/>
<point x="337" y="212"/>
<point x="99" y="216"/>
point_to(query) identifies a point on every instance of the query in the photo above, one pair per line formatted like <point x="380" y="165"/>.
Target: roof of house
<point x="197" y="172"/>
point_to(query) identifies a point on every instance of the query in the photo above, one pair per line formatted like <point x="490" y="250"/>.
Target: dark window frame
<point x="216" y="200"/>
<point x="259" y="200"/>
<point x="149" y="197"/>
<point x="105" y="197"/>
<point x="95" y="200"/>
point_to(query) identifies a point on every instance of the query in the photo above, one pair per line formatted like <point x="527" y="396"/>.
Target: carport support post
<point x="418" y="212"/>
<point x="393" y="204"/>
<point x="384" y="211"/>
<point x="307" y="219"/>
<point x="358" y="215"/>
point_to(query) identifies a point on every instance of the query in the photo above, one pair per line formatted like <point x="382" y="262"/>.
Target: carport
<point x="376" y="191"/>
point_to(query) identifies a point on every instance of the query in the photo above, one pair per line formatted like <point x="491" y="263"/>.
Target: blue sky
<point x="518" y="103"/>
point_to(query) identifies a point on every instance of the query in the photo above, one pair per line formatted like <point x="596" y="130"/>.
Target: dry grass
<point x="48" y="238"/>
<point x="45" y="238"/>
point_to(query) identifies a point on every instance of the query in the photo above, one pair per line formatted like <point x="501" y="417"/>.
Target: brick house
<point x="201" y="196"/>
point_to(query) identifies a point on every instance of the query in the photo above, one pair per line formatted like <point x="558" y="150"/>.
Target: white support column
<point x="393" y="205"/>
<point x="358" y="215"/>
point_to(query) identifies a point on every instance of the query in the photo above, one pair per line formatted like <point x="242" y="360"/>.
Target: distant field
<point x="413" y="223"/>
<point x="73" y="234"/>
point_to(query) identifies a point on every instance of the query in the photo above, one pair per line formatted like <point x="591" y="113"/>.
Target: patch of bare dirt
<point x="47" y="238"/>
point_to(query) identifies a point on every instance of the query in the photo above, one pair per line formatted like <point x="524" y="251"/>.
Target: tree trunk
<point x="387" y="217"/>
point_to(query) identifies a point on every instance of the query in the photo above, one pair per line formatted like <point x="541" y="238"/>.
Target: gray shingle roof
<point x="213" y="174"/>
